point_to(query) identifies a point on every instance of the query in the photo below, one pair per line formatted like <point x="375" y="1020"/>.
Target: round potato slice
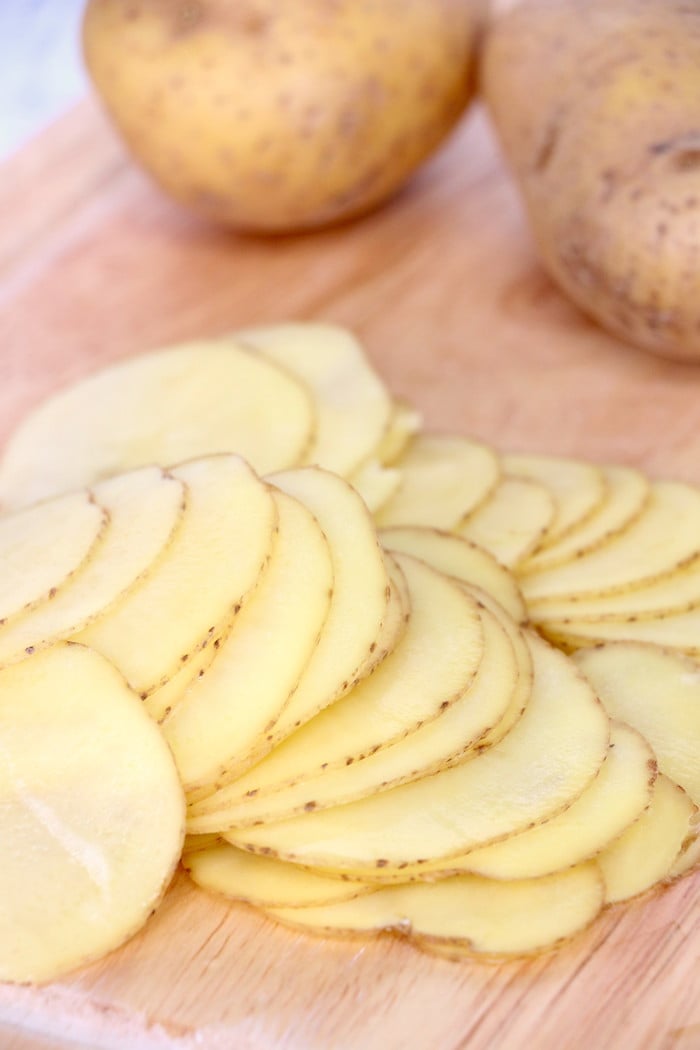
<point x="578" y="489"/>
<point x="679" y="631"/>
<point x="163" y="407"/>
<point x="91" y="813"/>
<point x="512" y="521"/>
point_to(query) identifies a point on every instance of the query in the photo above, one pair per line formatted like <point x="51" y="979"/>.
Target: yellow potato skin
<point x="597" y="106"/>
<point x="276" y="117"/>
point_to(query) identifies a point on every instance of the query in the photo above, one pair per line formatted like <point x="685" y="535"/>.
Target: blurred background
<point x="40" y="66"/>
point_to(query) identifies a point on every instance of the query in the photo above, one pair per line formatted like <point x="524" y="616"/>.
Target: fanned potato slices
<point x="660" y="540"/>
<point x="375" y="483"/>
<point x="353" y="407"/>
<point x="442" y="480"/>
<point x="161" y="701"/>
<point x="91" y="813"/>
<point x="468" y="913"/>
<point x="264" y="882"/>
<point x="459" y="558"/>
<point x="657" y="692"/>
<point x="348" y="645"/>
<point x="145" y="508"/>
<point x="680" y="631"/>
<point x="215" y="729"/>
<point x="627" y="493"/>
<point x="163" y="407"/>
<point x="512" y="521"/>
<point x="214" y="560"/>
<point x="578" y="489"/>
<point x="646" y="853"/>
<point x="41" y="548"/>
<point x="542" y="766"/>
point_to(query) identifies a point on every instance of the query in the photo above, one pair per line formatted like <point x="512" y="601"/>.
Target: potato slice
<point x="163" y="700"/>
<point x="459" y="558"/>
<point x="646" y="853"/>
<point x="664" y="536"/>
<point x="91" y="813"/>
<point x="468" y="913"/>
<point x="512" y="521"/>
<point x="146" y="508"/>
<point x="680" y="631"/>
<point x="657" y="692"/>
<point x="353" y="407"/>
<point x="404" y="423"/>
<point x="375" y="483"/>
<point x="429" y="748"/>
<point x="42" y="547"/>
<point x="214" y="561"/>
<point x="163" y="407"/>
<point x="442" y="479"/>
<point x="264" y="882"/>
<point x="348" y="646"/>
<point x="214" y="730"/>
<point x="546" y="761"/>
<point x="578" y="488"/>
<point x="627" y="494"/>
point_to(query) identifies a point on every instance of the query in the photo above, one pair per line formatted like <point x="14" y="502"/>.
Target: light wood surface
<point x="444" y="288"/>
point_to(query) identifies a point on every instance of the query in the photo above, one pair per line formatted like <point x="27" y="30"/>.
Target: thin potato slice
<point x="657" y="692"/>
<point x="42" y="547"/>
<point x="163" y="407"/>
<point x="664" y="536"/>
<point x="214" y="560"/>
<point x="442" y="479"/>
<point x="264" y="882"/>
<point x="426" y="750"/>
<point x="459" y="558"/>
<point x="404" y="423"/>
<point x="468" y="912"/>
<point x="215" y="729"/>
<point x="353" y="407"/>
<point x="146" y="509"/>
<point x="375" y="483"/>
<point x="512" y="521"/>
<point x="646" y="853"/>
<point x="578" y="488"/>
<point x="348" y="646"/>
<point x="163" y="700"/>
<point x="546" y="761"/>
<point x="91" y="813"/>
<point x="680" y="631"/>
<point x="627" y="493"/>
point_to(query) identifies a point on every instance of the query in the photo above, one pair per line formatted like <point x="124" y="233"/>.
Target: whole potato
<point x="276" y="116"/>
<point x="597" y="105"/>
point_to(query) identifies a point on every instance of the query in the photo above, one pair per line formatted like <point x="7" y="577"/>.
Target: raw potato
<point x="442" y="479"/>
<point x="341" y="102"/>
<point x="512" y="522"/>
<point x="547" y="760"/>
<point x="146" y="509"/>
<point x="353" y="407"/>
<point x="596" y="106"/>
<point x="578" y="489"/>
<point x="680" y="631"/>
<point x="468" y="913"/>
<point x="161" y="702"/>
<point x="405" y="422"/>
<point x="42" y="547"/>
<point x="375" y="483"/>
<point x="225" y="539"/>
<point x="91" y="813"/>
<point x="163" y="407"/>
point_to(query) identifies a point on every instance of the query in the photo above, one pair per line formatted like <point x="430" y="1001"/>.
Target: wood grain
<point x="444" y="288"/>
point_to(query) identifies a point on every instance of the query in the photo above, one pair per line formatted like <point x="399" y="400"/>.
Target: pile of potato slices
<point x="369" y="678"/>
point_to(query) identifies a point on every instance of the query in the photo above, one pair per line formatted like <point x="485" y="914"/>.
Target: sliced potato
<point x="680" y="631"/>
<point x="146" y="509"/>
<point x="577" y="488"/>
<point x="213" y="562"/>
<point x="512" y="521"/>
<point x="267" y="883"/>
<point x="427" y="749"/>
<point x="214" y="729"/>
<point x="91" y="813"/>
<point x="163" y="407"/>
<point x="353" y="407"/>
<point x="627" y="493"/>
<point x="468" y="913"/>
<point x="42" y="547"/>
<point x="161" y="702"/>
<point x="657" y="692"/>
<point x="404" y="423"/>
<point x="459" y="558"/>
<point x="442" y="479"/>
<point x="375" y="483"/>
<point x="646" y="853"/>
<point x="546" y="761"/>
<point x="660" y="540"/>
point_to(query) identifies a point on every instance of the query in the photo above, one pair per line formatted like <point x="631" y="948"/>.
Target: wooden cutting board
<point x="444" y="288"/>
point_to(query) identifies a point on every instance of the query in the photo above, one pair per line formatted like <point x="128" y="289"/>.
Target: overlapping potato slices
<point x="513" y="521"/>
